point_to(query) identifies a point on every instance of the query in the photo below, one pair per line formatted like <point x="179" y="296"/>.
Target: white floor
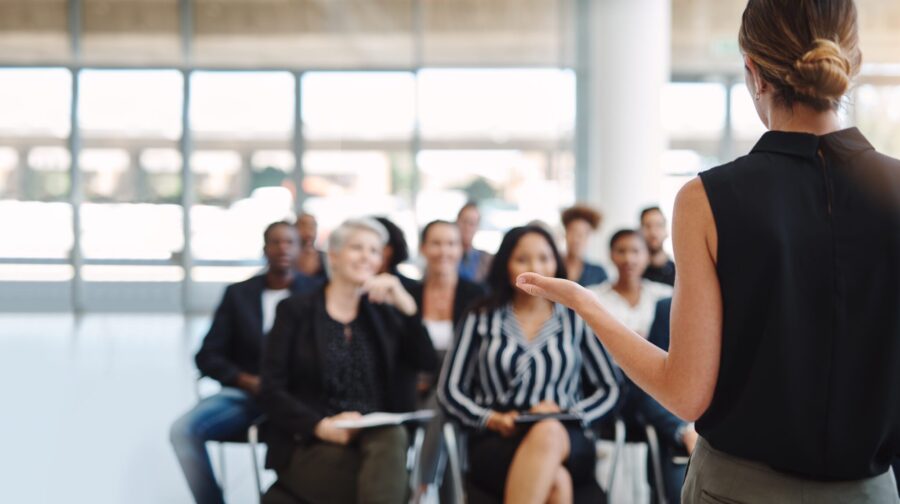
<point x="86" y="407"/>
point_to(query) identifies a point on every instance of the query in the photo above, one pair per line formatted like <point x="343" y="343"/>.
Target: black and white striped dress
<point x="492" y="367"/>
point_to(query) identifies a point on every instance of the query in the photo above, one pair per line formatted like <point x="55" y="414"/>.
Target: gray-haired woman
<point x="348" y="349"/>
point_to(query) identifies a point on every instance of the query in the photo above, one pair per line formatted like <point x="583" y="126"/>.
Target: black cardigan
<point x="292" y="391"/>
<point x="235" y="338"/>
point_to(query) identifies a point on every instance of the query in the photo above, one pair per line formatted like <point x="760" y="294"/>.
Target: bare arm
<point x="684" y="378"/>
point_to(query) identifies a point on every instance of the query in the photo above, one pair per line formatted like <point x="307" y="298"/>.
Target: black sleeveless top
<point x="809" y="265"/>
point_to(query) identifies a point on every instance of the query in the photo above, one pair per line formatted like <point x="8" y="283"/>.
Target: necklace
<point x="348" y="333"/>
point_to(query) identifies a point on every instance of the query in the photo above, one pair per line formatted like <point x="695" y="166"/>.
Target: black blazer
<point x="292" y="390"/>
<point x="467" y="294"/>
<point x="235" y="339"/>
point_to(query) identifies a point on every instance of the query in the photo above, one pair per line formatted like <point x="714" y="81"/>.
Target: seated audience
<point x="334" y="354"/>
<point x="517" y="354"/>
<point x="475" y="263"/>
<point x="580" y="221"/>
<point x="230" y="354"/>
<point x="311" y="261"/>
<point x="653" y="226"/>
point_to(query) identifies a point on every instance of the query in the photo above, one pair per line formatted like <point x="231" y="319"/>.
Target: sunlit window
<point x="358" y="105"/>
<point x="130" y="103"/>
<point x="878" y="116"/>
<point x="242" y="104"/>
<point x="35" y="102"/>
<point x="496" y="104"/>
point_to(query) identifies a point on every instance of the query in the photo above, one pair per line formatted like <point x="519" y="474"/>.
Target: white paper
<point x="380" y="419"/>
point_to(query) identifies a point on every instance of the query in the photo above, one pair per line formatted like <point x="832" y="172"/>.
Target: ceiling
<point x="374" y="33"/>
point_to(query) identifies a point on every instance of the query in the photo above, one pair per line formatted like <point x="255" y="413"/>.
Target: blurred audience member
<point x="518" y="354"/>
<point x="230" y="354"/>
<point x="336" y="354"/>
<point x="396" y="252"/>
<point x="443" y="296"/>
<point x="475" y="263"/>
<point x="580" y="221"/>
<point x="443" y="300"/>
<point x="654" y="228"/>
<point x="311" y="261"/>
<point x="631" y="298"/>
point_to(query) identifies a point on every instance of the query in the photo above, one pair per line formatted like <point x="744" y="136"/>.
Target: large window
<point x="878" y="115"/>
<point x="35" y="216"/>
<point x="242" y="125"/>
<point x="130" y="121"/>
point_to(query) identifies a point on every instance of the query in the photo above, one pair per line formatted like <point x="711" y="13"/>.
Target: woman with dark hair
<point x="396" y="251"/>
<point x="443" y="297"/>
<point x="785" y="340"/>
<point x="579" y="222"/>
<point x="515" y="354"/>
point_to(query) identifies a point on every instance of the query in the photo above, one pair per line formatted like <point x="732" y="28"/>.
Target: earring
<point x="757" y="96"/>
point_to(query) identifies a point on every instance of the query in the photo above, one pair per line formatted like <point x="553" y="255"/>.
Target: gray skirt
<point x="715" y="477"/>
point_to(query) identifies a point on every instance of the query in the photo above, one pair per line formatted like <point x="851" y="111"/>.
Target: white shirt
<point x="638" y="318"/>
<point x="270" y="300"/>
<point x="441" y="332"/>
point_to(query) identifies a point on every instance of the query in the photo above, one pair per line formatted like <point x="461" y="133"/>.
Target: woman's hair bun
<point x="823" y="73"/>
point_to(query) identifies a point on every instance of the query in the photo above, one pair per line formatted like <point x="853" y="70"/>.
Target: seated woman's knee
<point x="549" y="436"/>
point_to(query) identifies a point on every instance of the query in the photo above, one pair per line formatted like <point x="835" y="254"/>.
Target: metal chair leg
<point x="223" y="479"/>
<point x="253" y="440"/>
<point x="617" y="452"/>
<point x="454" y="463"/>
<point x="656" y="463"/>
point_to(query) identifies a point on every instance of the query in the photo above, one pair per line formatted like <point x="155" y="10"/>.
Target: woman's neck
<point x="524" y="303"/>
<point x="803" y="119"/>
<point x="441" y="279"/>
<point x="340" y="292"/>
<point x="628" y="284"/>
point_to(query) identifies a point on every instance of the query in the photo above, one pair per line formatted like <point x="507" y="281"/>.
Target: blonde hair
<point x="807" y="49"/>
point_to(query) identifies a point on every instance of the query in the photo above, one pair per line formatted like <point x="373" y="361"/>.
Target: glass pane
<point x="878" y="116"/>
<point x="245" y="105"/>
<point x="511" y="186"/>
<point x="344" y="184"/>
<point x="358" y="105"/>
<point x="242" y="125"/>
<point x="35" y="229"/>
<point x="508" y="104"/>
<point x="131" y="190"/>
<point x="130" y="103"/>
<point x="35" y="102"/>
<point x="693" y="110"/>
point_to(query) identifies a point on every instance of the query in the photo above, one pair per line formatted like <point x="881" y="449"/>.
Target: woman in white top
<point x="631" y="298"/>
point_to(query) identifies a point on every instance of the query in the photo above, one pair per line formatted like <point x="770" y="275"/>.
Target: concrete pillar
<point x="628" y="48"/>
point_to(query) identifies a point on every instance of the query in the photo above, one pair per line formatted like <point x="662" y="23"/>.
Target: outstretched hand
<point x="557" y="290"/>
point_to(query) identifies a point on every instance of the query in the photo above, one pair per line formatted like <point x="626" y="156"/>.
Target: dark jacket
<point x="467" y="293"/>
<point x="292" y="388"/>
<point x="592" y="274"/>
<point x="235" y="339"/>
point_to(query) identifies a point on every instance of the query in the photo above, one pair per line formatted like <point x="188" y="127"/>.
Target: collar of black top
<point x="807" y="145"/>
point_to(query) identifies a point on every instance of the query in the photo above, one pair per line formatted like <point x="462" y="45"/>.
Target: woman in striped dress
<point x="517" y="354"/>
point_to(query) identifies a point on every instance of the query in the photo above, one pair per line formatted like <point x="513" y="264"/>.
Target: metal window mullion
<point x="186" y="148"/>
<point x="298" y="144"/>
<point x="582" y="25"/>
<point x="74" y="144"/>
